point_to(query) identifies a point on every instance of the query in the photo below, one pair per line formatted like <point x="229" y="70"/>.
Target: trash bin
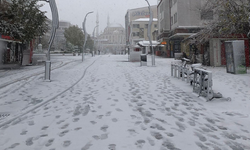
<point x="143" y="60"/>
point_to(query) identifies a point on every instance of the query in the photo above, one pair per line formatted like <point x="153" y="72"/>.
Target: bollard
<point x="172" y="68"/>
<point x="47" y="70"/>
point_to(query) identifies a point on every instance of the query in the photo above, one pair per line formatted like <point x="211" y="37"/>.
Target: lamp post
<point x="93" y="34"/>
<point x="85" y="32"/>
<point x="149" y="33"/>
<point x="55" y="25"/>
<point x="94" y="37"/>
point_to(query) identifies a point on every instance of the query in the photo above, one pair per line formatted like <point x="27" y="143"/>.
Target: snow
<point x="147" y="43"/>
<point x="107" y="102"/>
<point x="145" y="19"/>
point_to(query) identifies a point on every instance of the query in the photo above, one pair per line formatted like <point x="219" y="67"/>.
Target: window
<point x="155" y="25"/>
<point x="207" y="15"/>
<point x="135" y="33"/>
<point x="146" y="25"/>
<point x="136" y="25"/>
<point x="175" y="17"/>
<point x="172" y="20"/>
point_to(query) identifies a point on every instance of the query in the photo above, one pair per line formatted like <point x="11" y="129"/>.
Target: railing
<point x="202" y="83"/>
<point x="200" y="79"/>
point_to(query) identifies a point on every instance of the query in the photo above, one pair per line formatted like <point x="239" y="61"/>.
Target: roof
<point x="147" y="43"/>
<point x="115" y="25"/>
<point x="145" y="19"/>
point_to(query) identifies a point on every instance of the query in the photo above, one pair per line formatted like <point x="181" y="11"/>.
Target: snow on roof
<point x="145" y="19"/>
<point x="115" y="25"/>
<point x="147" y="43"/>
<point x="189" y="26"/>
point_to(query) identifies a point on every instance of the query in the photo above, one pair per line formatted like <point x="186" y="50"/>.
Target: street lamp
<point x="94" y="30"/>
<point x="55" y="25"/>
<point x="94" y="37"/>
<point x="149" y="33"/>
<point x="85" y="32"/>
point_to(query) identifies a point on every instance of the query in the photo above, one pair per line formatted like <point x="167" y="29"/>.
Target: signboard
<point x="142" y="13"/>
<point x="235" y="56"/>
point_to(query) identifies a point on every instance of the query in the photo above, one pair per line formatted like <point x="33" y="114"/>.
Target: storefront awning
<point x="147" y="43"/>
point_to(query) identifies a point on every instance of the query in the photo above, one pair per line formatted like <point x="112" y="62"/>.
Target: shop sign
<point x="6" y="37"/>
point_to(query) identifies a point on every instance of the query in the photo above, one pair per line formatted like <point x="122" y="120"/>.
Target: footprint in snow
<point x="79" y="128"/>
<point x="114" y="120"/>
<point x="180" y="125"/>
<point x="49" y="142"/>
<point x="151" y="142"/>
<point x="140" y="143"/>
<point x="108" y="113"/>
<point x="93" y="122"/>
<point x="14" y="145"/>
<point x="118" y="109"/>
<point x="87" y="146"/>
<point x="29" y="141"/>
<point x="104" y="128"/>
<point x="44" y="128"/>
<point x="99" y="116"/>
<point x="66" y="143"/>
<point x="65" y="126"/>
<point x="112" y="146"/>
<point x="201" y="137"/>
<point x="23" y="132"/>
<point x="157" y="135"/>
<point x="75" y="119"/>
<point x="31" y="123"/>
<point x="61" y="121"/>
<point x="63" y="133"/>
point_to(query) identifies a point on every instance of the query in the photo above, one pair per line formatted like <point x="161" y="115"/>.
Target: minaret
<point x="108" y="21"/>
<point x="97" y="24"/>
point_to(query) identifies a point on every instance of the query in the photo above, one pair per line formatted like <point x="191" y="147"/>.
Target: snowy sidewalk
<point x="119" y="105"/>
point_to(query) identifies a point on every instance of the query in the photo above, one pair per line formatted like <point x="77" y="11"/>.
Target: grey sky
<point x="74" y="11"/>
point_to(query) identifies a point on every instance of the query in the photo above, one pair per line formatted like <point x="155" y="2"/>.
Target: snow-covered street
<point x="108" y="103"/>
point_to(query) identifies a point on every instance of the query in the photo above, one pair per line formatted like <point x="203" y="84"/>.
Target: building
<point x="136" y="24"/>
<point x="14" y="52"/>
<point x="112" y="40"/>
<point x="136" y="28"/>
<point x="178" y="23"/>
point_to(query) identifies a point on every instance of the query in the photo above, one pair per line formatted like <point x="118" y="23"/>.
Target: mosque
<point x="112" y="39"/>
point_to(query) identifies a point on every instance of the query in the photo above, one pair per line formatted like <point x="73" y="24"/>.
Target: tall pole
<point x="93" y="34"/>
<point x="150" y="33"/>
<point x="55" y="25"/>
<point x="94" y="39"/>
<point x="85" y="32"/>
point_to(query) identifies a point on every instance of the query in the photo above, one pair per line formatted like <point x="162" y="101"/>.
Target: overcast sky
<point x="74" y="11"/>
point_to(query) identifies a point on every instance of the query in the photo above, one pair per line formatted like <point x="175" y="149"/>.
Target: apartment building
<point x="178" y="23"/>
<point x="177" y="19"/>
<point x="136" y="24"/>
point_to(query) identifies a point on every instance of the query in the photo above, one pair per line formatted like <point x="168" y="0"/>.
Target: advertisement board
<point x="235" y="57"/>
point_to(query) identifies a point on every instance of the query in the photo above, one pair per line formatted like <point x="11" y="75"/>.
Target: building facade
<point x="136" y="28"/>
<point x="112" y="40"/>
<point x="136" y="24"/>
<point x="177" y="19"/>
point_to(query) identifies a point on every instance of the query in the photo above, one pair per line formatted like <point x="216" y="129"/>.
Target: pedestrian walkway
<point x="120" y="105"/>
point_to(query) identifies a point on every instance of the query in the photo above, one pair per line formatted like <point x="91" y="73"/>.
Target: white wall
<point x="215" y="52"/>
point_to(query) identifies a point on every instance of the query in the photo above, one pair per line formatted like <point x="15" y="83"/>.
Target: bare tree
<point x="229" y="17"/>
